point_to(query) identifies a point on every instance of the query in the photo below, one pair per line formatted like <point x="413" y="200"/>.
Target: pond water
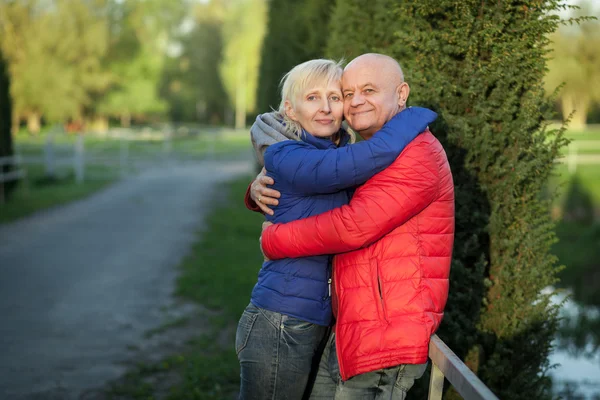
<point x="576" y="350"/>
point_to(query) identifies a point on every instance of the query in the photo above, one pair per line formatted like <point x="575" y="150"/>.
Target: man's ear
<point x="289" y="111"/>
<point x="403" y="91"/>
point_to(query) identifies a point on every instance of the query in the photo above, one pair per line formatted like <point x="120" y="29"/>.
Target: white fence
<point x="16" y="173"/>
<point x="124" y="150"/>
<point x="574" y="156"/>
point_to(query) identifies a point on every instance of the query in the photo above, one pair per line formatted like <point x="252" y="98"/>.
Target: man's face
<point x="370" y="98"/>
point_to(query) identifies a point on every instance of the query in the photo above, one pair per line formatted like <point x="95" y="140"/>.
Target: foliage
<point x="576" y="63"/>
<point x="303" y="24"/>
<point x="360" y="26"/>
<point x="579" y="249"/>
<point x="6" y="145"/>
<point x="191" y="82"/>
<point x="38" y="192"/>
<point x="139" y="33"/>
<point x="243" y="32"/>
<point x="481" y="66"/>
<point x="54" y="52"/>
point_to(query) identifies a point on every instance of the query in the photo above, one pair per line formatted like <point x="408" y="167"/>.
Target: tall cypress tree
<point x="296" y="32"/>
<point x="481" y="65"/>
<point x="6" y="145"/>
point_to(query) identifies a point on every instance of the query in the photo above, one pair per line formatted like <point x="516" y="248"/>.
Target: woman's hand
<point x="262" y="195"/>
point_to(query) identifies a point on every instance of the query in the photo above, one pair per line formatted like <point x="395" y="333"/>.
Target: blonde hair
<point x="304" y="76"/>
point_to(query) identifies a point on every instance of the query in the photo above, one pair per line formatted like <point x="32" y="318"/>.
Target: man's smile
<point x="360" y="112"/>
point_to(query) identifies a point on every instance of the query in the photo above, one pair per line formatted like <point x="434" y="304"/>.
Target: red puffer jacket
<point x="391" y="278"/>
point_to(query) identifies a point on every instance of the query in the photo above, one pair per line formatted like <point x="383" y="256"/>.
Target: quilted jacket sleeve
<point x="385" y="202"/>
<point x="250" y="204"/>
<point x="307" y="170"/>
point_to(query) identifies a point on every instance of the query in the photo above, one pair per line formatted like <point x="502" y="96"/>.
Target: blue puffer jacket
<point x="312" y="176"/>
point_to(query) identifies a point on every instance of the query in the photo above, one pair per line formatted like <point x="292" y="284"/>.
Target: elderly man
<point x="393" y="245"/>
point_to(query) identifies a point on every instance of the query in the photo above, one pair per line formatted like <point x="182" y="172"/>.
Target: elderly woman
<point x="280" y="331"/>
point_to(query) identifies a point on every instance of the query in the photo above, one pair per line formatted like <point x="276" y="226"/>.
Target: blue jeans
<point x="389" y="383"/>
<point x="276" y="354"/>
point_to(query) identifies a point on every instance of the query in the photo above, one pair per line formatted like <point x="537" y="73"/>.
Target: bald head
<point x="374" y="91"/>
<point x="380" y="62"/>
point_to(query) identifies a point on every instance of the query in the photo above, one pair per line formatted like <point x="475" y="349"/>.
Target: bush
<point x="480" y="65"/>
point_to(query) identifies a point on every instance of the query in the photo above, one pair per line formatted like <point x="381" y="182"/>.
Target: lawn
<point x="104" y="162"/>
<point x="37" y="192"/>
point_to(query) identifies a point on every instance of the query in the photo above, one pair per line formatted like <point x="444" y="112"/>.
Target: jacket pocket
<point x="245" y="328"/>
<point x="296" y="324"/>
<point x="381" y="296"/>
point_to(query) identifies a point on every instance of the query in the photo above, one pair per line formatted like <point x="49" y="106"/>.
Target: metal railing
<point x="446" y="364"/>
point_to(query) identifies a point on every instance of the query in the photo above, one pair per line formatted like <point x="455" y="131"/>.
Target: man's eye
<point x="369" y="90"/>
<point x="348" y="95"/>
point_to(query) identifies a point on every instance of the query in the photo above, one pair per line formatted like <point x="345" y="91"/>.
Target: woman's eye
<point x="311" y="98"/>
<point x="335" y="98"/>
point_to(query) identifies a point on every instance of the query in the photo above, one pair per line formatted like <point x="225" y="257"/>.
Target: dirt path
<point x="81" y="284"/>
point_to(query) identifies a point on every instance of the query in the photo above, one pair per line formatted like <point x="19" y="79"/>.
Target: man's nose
<point x="356" y="100"/>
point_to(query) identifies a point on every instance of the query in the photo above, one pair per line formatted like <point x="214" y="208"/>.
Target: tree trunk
<point x="98" y="124"/>
<point x="579" y="106"/>
<point x="15" y="123"/>
<point x="125" y="120"/>
<point x="33" y="123"/>
<point x="6" y="142"/>
<point x="240" y="100"/>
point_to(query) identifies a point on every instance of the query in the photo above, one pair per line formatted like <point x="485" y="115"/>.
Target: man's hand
<point x="264" y="226"/>
<point x="262" y="195"/>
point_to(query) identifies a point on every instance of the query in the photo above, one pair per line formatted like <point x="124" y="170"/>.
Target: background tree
<point x="297" y="31"/>
<point x="243" y="32"/>
<point x="481" y="66"/>
<point x="6" y="147"/>
<point x="192" y="83"/>
<point x="576" y="63"/>
<point x="54" y="51"/>
<point x="140" y="33"/>
<point x="360" y="26"/>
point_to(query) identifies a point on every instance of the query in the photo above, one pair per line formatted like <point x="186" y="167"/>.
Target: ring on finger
<point x="259" y="197"/>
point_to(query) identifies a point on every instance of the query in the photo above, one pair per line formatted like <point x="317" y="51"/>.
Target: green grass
<point x="217" y="140"/>
<point x="589" y="179"/>
<point x="37" y="193"/>
<point x="592" y="132"/>
<point x="219" y="273"/>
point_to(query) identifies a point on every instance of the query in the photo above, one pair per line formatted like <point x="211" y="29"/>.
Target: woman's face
<point x="319" y="110"/>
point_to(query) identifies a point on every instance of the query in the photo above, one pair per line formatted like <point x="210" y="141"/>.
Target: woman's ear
<point x="289" y="111"/>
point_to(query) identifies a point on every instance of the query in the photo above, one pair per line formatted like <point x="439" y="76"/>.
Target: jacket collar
<point x="325" y="143"/>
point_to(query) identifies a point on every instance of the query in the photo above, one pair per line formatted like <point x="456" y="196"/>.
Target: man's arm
<point x="385" y="202"/>
<point x="311" y="171"/>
